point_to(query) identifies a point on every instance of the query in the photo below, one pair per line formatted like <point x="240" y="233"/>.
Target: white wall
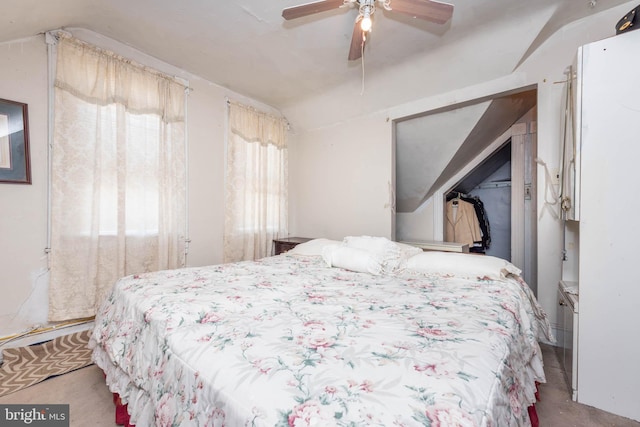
<point x="339" y="172"/>
<point x="340" y="179"/>
<point x="23" y="222"/>
<point x="416" y="225"/>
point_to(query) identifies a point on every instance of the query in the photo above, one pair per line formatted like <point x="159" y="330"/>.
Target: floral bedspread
<point x="287" y="341"/>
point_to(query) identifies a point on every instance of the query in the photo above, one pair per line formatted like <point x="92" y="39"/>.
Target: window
<point x="118" y="176"/>
<point x="256" y="184"/>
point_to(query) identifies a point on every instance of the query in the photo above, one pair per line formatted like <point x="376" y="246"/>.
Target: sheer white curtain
<point x="256" y="183"/>
<point x="117" y="176"/>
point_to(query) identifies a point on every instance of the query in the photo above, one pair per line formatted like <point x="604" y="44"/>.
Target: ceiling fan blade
<point x="429" y="10"/>
<point x="357" y="42"/>
<point x="310" y="8"/>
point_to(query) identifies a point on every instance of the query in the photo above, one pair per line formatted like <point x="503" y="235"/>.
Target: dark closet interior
<point x="488" y="189"/>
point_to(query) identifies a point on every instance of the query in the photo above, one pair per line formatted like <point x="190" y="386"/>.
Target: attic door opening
<point x="436" y="151"/>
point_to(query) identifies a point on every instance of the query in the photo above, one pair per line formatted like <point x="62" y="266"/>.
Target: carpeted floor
<point x="25" y="366"/>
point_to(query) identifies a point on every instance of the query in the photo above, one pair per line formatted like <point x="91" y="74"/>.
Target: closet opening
<point x="478" y="208"/>
<point x="483" y="148"/>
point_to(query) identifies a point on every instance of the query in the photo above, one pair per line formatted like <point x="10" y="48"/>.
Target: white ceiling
<point x="300" y="67"/>
<point x="247" y="46"/>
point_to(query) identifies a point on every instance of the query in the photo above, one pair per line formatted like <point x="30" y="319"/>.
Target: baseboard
<point x="47" y="335"/>
<point x="558" y="333"/>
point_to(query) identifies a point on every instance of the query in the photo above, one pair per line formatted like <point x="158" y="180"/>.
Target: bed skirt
<point x="122" y="415"/>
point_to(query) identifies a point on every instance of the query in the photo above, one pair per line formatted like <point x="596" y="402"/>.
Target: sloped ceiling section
<point x="424" y="147"/>
<point x="486" y="169"/>
<point x="566" y="12"/>
<point x="447" y="141"/>
<point x="247" y="46"/>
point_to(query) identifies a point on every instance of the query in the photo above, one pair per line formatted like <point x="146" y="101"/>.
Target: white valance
<point x="101" y="77"/>
<point x="256" y="126"/>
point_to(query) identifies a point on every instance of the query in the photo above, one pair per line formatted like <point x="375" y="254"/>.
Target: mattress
<point x="290" y="341"/>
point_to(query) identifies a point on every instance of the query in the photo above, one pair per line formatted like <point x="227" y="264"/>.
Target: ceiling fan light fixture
<point x="365" y="24"/>
<point x="367" y="8"/>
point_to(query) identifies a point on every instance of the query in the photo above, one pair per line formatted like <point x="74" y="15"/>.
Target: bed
<point x="361" y="332"/>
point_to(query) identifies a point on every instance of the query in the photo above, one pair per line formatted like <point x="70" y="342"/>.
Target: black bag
<point x="630" y="21"/>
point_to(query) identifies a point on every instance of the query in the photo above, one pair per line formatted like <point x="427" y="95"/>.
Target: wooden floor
<point x="91" y="403"/>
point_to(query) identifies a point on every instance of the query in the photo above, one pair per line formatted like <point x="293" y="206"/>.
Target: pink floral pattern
<point x="310" y="413"/>
<point x="286" y="341"/>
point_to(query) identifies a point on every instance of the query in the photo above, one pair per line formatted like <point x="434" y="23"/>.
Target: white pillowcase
<point x="354" y="259"/>
<point x="391" y="254"/>
<point x="380" y="246"/>
<point x="408" y="251"/>
<point x="312" y="247"/>
<point x="464" y="265"/>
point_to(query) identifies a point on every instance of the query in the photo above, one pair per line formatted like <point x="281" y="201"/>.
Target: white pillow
<point x="391" y="254"/>
<point x="312" y="247"/>
<point x="465" y="265"/>
<point x="408" y="251"/>
<point x="354" y="259"/>
<point x="379" y="246"/>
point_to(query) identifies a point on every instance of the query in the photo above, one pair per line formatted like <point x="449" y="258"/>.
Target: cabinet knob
<point x="561" y="302"/>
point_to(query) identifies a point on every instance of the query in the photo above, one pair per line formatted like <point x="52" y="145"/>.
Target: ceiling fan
<point x="429" y="10"/>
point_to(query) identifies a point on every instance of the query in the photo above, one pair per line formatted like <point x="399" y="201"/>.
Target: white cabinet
<point x="608" y="144"/>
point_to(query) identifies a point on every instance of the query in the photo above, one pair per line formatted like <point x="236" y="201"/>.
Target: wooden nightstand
<point x="288" y="243"/>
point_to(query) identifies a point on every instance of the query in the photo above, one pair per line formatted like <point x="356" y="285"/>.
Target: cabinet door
<point x="567" y="320"/>
<point x="608" y="369"/>
<point x="566" y="353"/>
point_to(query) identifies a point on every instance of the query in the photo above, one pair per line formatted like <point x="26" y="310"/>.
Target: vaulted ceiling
<point x="300" y="66"/>
<point x="247" y="46"/>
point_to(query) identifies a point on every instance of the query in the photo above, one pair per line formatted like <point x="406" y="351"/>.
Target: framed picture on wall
<point x="14" y="143"/>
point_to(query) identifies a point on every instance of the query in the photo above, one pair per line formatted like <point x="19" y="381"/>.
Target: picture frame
<point x="15" y="167"/>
